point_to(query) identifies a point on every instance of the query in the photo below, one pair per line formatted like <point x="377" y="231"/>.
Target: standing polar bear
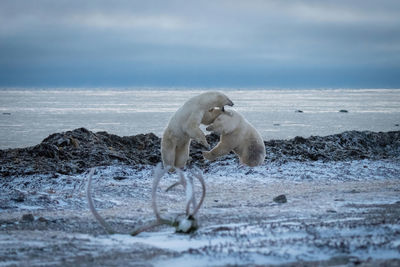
<point x="184" y="126"/>
<point x="239" y="135"/>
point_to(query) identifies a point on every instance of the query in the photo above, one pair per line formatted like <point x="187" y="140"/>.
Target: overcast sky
<point x="269" y="44"/>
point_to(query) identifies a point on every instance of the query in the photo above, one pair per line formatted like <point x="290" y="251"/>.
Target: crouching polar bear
<point x="184" y="126"/>
<point x="239" y="135"/>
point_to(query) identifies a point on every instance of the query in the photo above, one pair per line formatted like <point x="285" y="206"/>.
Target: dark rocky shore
<point x="75" y="151"/>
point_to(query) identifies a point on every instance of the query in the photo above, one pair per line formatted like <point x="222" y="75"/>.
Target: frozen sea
<point x="27" y="116"/>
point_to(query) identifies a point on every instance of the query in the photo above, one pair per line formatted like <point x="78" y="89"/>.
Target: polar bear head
<point x="213" y="99"/>
<point x="210" y="115"/>
<point x="225" y="123"/>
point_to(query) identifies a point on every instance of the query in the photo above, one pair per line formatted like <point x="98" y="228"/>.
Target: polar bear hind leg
<point x="255" y="154"/>
<point x="168" y="149"/>
<point x="182" y="155"/>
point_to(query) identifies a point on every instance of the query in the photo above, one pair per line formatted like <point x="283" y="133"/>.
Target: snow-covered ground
<point x="336" y="213"/>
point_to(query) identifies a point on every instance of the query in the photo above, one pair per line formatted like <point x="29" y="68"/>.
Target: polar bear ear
<point x="211" y="110"/>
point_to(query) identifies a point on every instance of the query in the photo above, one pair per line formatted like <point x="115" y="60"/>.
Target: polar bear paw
<point x="208" y="155"/>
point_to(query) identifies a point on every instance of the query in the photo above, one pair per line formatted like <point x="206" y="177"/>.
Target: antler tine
<point x="193" y="191"/>
<point x="172" y="186"/>
<point x="198" y="174"/>
<point x="181" y="181"/>
<point x="158" y="173"/>
<point x="189" y="188"/>
<point x="146" y="227"/>
<point x="182" y="178"/>
<point x="91" y="204"/>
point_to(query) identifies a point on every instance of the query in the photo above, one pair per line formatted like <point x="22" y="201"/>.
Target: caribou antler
<point x="187" y="182"/>
<point x="158" y="173"/>
<point x="91" y="205"/>
<point x="103" y="223"/>
<point x="199" y="175"/>
<point x="183" y="181"/>
<point x="186" y="224"/>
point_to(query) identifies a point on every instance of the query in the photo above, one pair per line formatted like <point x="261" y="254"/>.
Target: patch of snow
<point x="326" y="214"/>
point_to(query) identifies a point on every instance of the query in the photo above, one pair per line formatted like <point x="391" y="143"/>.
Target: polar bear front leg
<point x="198" y="135"/>
<point x="193" y="130"/>
<point x="219" y="150"/>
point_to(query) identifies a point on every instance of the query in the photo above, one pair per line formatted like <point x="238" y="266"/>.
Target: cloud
<point x="165" y="40"/>
<point x="129" y="22"/>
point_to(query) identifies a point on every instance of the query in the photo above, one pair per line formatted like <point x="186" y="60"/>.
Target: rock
<point x="43" y="220"/>
<point x="299" y="140"/>
<point x="280" y="199"/>
<point x="354" y="191"/>
<point x="62" y="142"/>
<point x="18" y="196"/>
<point x="74" y="142"/>
<point x="28" y="217"/>
<point x="222" y="229"/>
<point x="120" y="178"/>
<point x="75" y="151"/>
<point x="352" y="145"/>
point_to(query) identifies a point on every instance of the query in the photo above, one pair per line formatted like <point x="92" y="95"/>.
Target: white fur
<point x="184" y="126"/>
<point x="210" y="115"/>
<point x="239" y="136"/>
